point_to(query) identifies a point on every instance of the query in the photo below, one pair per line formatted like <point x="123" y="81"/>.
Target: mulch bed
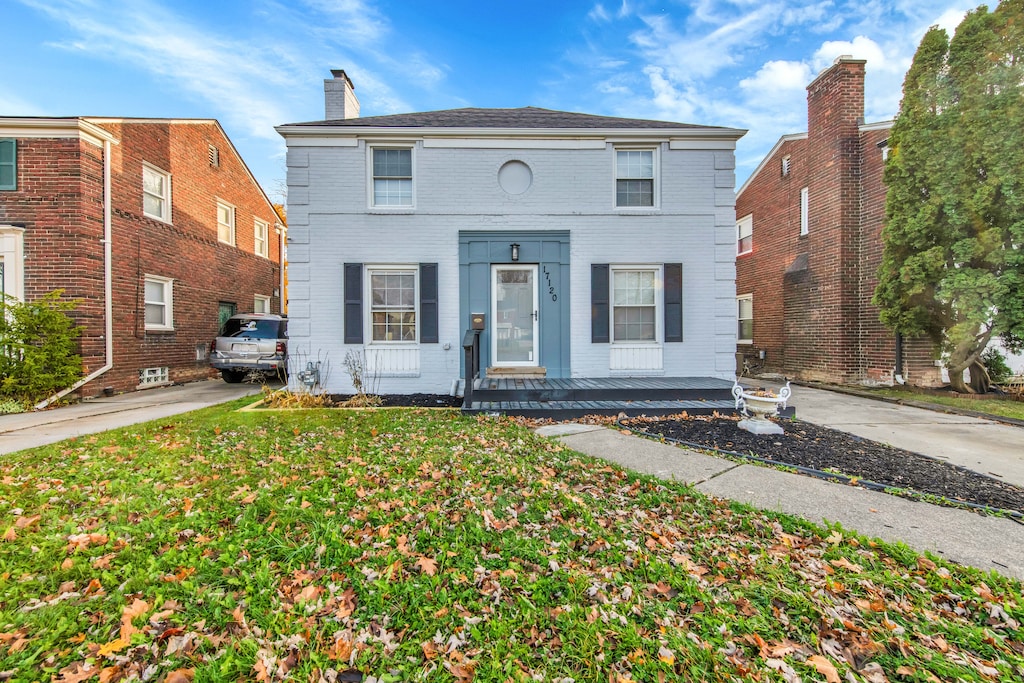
<point x="410" y="400"/>
<point x="819" y="448"/>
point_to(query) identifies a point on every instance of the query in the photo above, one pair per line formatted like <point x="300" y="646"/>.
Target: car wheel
<point x="232" y="376"/>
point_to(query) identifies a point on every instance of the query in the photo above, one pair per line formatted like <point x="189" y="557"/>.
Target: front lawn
<point x="420" y="545"/>
<point x="993" y="406"/>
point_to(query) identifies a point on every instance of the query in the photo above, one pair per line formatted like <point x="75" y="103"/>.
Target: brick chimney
<point x="340" y="100"/>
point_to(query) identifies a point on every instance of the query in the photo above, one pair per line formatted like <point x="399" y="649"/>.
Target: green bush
<point x="38" y="348"/>
<point x="995" y="363"/>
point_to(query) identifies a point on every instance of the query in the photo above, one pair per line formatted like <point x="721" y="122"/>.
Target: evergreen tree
<point x="953" y="265"/>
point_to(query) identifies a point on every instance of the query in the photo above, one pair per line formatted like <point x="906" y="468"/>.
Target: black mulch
<point x="823" y="449"/>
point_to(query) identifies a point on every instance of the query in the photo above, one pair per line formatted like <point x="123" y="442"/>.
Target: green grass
<point x="1004" y="408"/>
<point x="422" y="545"/>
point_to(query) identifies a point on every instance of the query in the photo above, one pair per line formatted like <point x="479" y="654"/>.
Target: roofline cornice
<point x="407" y="132"/>
<point x="69" y="127"/>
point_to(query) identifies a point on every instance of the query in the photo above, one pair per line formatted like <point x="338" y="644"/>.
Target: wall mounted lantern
<point x="515" y="252"/>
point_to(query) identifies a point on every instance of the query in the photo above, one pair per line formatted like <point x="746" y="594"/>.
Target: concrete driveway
<point x="981" y="445"/>
<point x="27" y="430"/>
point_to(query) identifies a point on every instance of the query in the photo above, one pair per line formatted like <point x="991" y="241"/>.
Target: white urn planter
<point x="757" y="407"/>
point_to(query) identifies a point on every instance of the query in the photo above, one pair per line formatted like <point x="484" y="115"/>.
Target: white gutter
<point x="107" y="288"/>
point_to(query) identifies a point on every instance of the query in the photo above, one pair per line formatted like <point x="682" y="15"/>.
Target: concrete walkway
<point x="27" y="430"/>
<point x="958" y="535"/>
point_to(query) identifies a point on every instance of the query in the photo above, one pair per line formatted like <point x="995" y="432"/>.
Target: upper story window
<point x="225" y="223"/>
<point x="392" y="304"/>
<point x="804" y="207"/>
<point x="8" y="164"/>
<point x="635" y="178"/>
<point x="159" y="303"/>
<point x="634" y="304"/>
<point x="156" y="193"/>
<point x="261" y="238"/>
<point x="745" y="319"/>
<point x="392" y="176"/>
<point x="745" y="235"/>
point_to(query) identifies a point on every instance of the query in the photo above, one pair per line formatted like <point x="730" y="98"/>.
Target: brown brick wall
<point x="59" y="202"/>
<point x="812" y="311"/>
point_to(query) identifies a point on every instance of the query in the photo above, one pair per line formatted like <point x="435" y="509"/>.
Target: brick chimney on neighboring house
<point x="340" y="100"/>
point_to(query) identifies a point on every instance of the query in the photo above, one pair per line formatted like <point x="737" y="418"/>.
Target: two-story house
<point x="579" y="245"/>
<point x="808" y="243"/>
<point x="156" y="225"/>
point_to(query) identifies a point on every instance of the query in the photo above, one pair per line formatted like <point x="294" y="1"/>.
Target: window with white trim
<point x="8" y="164"/>
<point x="745" y="319"/>
<point x="635" y="302"/>
<point x="261" y="304"/>
<point x="393" y="300"/>
<point x="745" y="235"/>
<point x="635" y="178"/>
<point x="159" y="302"/>
<point x="392" y="176"/>
<point x="156" y="193"/>
<point x="803" y="211"/>
<point x="261" y="238"/>
<point x="225" y="223"/>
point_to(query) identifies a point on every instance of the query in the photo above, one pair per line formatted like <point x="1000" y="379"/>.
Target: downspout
<point x="898" y="375"/>
<point x="283" y="232"/>
<point x="107" y="288"/>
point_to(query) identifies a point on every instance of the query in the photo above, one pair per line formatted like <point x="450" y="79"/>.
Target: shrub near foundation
<point x="38" y="348"/>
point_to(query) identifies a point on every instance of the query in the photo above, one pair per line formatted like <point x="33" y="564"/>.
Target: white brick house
<point x="594" y="246"/>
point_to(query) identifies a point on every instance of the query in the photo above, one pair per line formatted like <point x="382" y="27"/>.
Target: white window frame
<point x="659" y="302"/>
<point x="168" y="302"/>
<point x="371" y="194"/>
<point x="804" y="207"/>
<point x="231" y="226"/>
<point x="164" y="215"/>
<point x="739" y="338"/>
<point x="260" y="304"/>
<point x="655" y="177"/>
<point x="380" y="269"/>
<point x="745" y="229"/>
<point x="263" y="227"/>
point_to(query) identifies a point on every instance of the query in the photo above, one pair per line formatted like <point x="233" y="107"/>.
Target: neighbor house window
<point x="156" y="193"/>
<point x="785" y="165"/>
<point x="392" y="304"/>
<point x="634" y="304"/>
<point x="803" y="211"/>
<point x="225" y="223"/>
<point x="159" y="303"/>
<point x="745" y="319"/>
<point x="261" y="304"/>
<point x="745" y="235"/>
<point x="8" y="164"/>
<point x="261" y="243"/>
<point x="392" y="177"/>
<point x="634" y="178"/>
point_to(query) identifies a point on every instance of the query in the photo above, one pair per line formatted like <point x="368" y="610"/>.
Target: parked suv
<point x="251" y="342"/>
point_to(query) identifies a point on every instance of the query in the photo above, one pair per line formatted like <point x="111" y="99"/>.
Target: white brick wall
<point x="457" y="189"/>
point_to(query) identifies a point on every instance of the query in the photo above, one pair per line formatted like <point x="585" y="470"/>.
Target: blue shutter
<point x="673" y="302"/>
<point x="353" y="303"/>
<point x="599" y="300"/>
<point x="428" y="303"/>
<point x="8" y="164"/>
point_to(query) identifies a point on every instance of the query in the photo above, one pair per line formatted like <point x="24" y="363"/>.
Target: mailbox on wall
<point x="477" y="321"/>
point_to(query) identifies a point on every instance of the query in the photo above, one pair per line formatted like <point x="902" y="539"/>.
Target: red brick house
<point x="157" y="225"/>
<point x="809" y="222"/>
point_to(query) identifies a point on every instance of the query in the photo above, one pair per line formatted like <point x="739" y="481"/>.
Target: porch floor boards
<point x="567" y="398"/>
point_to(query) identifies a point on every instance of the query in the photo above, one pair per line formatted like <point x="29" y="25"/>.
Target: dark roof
<point x="524" y="117"/>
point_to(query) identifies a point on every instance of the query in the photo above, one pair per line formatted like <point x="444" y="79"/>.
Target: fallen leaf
<point x="181" y="676"/>
<point x="10" y="535"/>
<point x="427" y="566"/>
<point x="825" y="668"/>
<point x="112" y="647"/>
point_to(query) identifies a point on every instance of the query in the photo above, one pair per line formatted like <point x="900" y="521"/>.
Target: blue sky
<point x="253" y="65"/>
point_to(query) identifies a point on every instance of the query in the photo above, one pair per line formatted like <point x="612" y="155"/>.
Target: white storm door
<point x="514" y="314"/>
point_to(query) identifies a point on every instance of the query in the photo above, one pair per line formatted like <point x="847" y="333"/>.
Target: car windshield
<point x="251" y="329"/>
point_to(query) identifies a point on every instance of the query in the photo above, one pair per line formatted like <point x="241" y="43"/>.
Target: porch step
<point x="574" y="409"/>
<point x="569" y="398"/>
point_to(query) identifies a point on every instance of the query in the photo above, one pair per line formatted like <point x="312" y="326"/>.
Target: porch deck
<point x="575" y="397"/>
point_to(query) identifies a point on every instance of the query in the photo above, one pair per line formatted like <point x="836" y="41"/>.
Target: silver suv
<point x="251" y="342"/>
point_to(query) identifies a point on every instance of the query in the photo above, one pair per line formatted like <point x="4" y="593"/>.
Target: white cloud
<point x="860" y="47"/>
<point x="599" y="13"/>
<point x="777" y="79"/>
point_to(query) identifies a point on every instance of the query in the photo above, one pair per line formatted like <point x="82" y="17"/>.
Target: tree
<point x="952" y="265"/>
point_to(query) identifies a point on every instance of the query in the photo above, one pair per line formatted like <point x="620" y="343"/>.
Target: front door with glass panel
<point x="514" y="315"/>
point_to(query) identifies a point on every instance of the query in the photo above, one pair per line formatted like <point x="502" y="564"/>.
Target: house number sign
<point x="551" y="287"/>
